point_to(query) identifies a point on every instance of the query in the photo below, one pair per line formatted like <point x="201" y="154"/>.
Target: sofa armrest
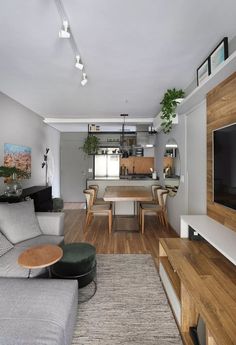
<point x="51" y="223"/>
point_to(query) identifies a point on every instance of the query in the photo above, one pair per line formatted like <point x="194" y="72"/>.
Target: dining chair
<point x="157" y="208"/>
<point x="98" y="201"/>
<point x="154" y="200"/>
<point x="99" y="210"/>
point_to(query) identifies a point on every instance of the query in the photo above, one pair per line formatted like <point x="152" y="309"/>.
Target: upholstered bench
<point x="78" y="262"/>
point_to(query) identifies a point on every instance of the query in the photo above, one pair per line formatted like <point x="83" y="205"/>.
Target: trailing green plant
<point x="10" y="171"/>
<point x="91" y="145"/>
<point x="169" y="103"/>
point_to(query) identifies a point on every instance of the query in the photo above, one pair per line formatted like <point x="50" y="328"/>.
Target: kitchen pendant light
<point x="124" y="152"/>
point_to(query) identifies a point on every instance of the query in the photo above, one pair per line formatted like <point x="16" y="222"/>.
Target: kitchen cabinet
<point x="138" y="165"/>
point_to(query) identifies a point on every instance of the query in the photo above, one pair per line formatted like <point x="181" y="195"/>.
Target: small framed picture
<point x="203" y="71"/>
<point x="219" y="54"/>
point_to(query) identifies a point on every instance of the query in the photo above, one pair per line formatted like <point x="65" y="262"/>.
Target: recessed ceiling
<point x="133" y="50"/>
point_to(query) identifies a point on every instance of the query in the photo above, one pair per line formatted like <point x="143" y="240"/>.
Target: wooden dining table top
<point x="127" y="193"/>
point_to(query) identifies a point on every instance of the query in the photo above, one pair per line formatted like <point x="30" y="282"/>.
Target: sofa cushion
<point x="37" y="311"/>
<point x="9" y="266"/>
<point x="5" y="245"/>
<point x="42" y="239"/>
<point x="18" y="221"/>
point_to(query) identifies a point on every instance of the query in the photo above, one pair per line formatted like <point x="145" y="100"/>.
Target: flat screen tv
<point x="224" y="162"/>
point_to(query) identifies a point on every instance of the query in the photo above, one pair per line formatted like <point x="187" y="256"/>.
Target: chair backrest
<point x="162" y="196"/>
<point x="95" y="187"/>
<point x="154" y="187"/>
<point x="89" y="194"/>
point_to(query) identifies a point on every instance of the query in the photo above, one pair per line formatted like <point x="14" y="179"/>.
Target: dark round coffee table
<point x="78" y="262"/>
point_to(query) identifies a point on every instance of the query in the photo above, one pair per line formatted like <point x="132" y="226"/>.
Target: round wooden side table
<point x="40" y="256"/>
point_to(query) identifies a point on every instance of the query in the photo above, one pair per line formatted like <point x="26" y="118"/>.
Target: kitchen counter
<point x="125" y="177"/>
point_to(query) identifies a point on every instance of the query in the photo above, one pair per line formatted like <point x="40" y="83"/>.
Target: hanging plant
<point x="91" y="145"/>
<point x="170" y="100"/>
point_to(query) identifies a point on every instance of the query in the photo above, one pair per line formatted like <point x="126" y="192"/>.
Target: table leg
<point x="29" y="273"/>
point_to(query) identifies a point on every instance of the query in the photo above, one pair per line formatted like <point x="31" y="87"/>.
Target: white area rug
<point x="130" y="306"/>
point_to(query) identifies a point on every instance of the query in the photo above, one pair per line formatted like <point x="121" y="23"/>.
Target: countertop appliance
<point x="107" y="165"/>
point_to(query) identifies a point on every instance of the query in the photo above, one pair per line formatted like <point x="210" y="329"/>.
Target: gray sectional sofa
<point x="33" y="311"/>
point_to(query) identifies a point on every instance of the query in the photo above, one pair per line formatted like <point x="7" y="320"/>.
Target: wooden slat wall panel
<point x="221" y="111"/>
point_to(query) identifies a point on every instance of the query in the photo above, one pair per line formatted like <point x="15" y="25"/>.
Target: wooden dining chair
<point x="99" y="210"/>
<point x="154" y="200"/>
<point x="157" y="208"/>
<point x="98" y="201"/>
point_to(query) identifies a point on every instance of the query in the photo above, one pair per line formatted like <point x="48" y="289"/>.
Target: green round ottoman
<point x="78" y="262"/>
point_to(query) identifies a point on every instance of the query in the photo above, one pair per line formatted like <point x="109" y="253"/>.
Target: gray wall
<point x="21" y="126"/>
<point x="74" y="167"/>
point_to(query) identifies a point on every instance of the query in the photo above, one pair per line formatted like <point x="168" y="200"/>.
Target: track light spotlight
<point x="65" y="30"/>
<point x="84" y="80"/>
<point x="79" y="63"/>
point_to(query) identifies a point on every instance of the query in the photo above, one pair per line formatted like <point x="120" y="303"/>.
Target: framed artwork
<point x="219" y="54"/>
<point x="18" y="156"/>
<point x="203" y="71"/>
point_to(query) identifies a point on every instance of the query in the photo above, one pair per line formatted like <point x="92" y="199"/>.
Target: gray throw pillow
<point x="5" y="245"/>
<point x="18" y="221"/>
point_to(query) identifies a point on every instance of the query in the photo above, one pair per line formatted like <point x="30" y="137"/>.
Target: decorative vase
<point x="13" y="188"/>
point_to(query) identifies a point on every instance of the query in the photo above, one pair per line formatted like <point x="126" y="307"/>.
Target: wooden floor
<point x="120" y="242"/>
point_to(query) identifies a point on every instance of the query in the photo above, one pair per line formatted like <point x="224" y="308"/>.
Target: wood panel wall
<point x="140" y="165"/>
<point x="221" y="111"/>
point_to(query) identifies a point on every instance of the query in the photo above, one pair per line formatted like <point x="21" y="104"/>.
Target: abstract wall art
<point x="19" y="157"/>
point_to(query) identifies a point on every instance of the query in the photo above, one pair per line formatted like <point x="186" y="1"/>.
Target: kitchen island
<point x="124" y="207"/>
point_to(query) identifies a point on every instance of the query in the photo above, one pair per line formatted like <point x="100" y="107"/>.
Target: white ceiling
<point x="133" y="51"/>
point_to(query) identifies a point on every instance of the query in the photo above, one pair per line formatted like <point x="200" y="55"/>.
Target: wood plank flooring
<point x="120" y="242"/>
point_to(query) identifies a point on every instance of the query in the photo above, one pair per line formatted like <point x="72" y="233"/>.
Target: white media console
<point x="218" y="235"/>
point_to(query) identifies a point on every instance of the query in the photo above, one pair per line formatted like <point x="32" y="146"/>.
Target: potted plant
<point x="171" y="99"/>
<point x="91" y="145"/>
<point x="12" y="174"/>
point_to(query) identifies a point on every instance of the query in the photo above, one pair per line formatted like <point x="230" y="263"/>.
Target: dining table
<point x="135" y="194"/>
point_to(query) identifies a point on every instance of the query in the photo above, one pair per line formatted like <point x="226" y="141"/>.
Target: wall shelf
<point x="198" y="95"/>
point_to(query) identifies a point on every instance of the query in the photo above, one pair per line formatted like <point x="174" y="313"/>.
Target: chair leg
<point x="165" y="218"/>
<point x="90" y="218"/>
<point x="110" y="221"/>
<point x="142" y="222"/>
<point x="140" y="215"/>
<point x="87" y="221"/>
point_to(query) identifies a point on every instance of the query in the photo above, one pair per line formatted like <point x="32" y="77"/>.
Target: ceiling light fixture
<point x="84" y="79"/>
<point x="79" y="63"/>
<point x="65" y="30"/>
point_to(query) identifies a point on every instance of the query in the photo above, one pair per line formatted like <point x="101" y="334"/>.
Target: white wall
<point x="176" y="205"/>
<point x="197" y="160"/>
<point x="21" y="126"/>
<point x="190" y="135"/>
